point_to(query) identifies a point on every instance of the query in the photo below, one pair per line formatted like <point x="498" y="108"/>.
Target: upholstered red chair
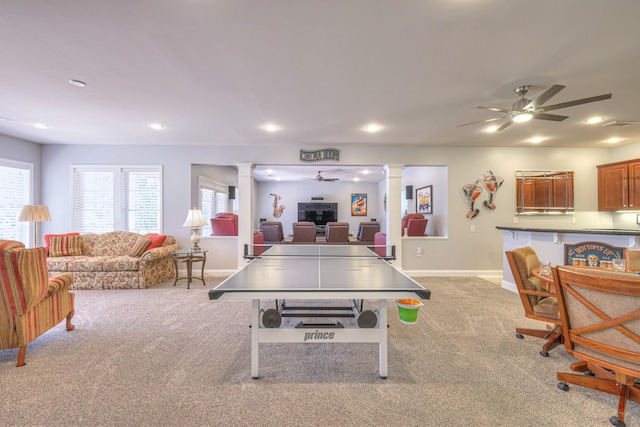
<point x="30" y="302"/>
<point x="380" y="240"/>
<point x="304" y="233"/>
<point x="273" y="233"/>
<point x="405" y="221"/>
<point x="258" y="240"/>
<point x="225" y="224"/>
<point x="337" y="233"/>
<point x="417" y="227"/>
<point x="366" y="232"/>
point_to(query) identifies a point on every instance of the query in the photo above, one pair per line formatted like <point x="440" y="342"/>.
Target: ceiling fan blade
<point x="545" y="116"/>
<point x="544" y="97"/>
<point x="331" y="179"/>
<point x="576" y="102"/>
<point x="481" y="121"/>
<point x="505" y="125"/>
<point x="497" y="110"/>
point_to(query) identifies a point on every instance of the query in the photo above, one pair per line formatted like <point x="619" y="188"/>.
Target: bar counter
<point x="549" y="243"/>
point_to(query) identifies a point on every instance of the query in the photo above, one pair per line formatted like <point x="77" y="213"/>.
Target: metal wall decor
<point x="491" y="183"/>
<point x="277" y="209"/>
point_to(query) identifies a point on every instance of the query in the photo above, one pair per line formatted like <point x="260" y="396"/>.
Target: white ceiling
<point x="215" y="71"/>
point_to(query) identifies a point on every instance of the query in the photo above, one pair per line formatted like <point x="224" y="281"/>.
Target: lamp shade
<point x="37" y="213"/>
<point x="194" y="219"/>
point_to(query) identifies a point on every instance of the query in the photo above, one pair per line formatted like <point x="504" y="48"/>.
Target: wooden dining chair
<point x="600" y="312"/>
<point x="538" y="303"/>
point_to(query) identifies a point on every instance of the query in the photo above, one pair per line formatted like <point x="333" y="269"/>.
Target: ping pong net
<point x="387" y="253"/>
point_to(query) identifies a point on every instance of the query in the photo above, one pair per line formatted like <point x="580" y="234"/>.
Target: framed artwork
<point x="424" y="200"/>
<point x="593" y="254"/>
<point x="358" y="204"/>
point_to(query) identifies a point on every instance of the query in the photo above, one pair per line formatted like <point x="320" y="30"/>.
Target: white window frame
<point x="216" y="187"/>
<point x="24" y="230"/>
<point x="119" y="201"/>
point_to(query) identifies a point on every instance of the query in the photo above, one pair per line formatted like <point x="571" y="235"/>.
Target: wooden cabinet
<point x="547" y="192"/>
<point x="619" y="186"/>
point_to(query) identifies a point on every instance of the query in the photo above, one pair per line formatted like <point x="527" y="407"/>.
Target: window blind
<point x="15" y="192"/>
<point x="109" y="198"/>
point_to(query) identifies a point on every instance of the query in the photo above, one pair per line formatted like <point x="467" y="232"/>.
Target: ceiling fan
<point x="525" y="109"/>
<point x="320" y="178"/>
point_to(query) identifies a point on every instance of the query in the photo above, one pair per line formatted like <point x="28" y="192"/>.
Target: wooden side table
<point x="189" y="256"/>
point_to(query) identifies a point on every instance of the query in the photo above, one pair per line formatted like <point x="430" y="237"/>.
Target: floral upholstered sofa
<point x="113" y="260"/>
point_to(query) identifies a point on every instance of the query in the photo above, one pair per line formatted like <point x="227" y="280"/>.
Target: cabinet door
<point x="613" y="187"/>
<point x="634" y="185"/>
<point x="544" y="193"/>
<point x="563" y="194"/>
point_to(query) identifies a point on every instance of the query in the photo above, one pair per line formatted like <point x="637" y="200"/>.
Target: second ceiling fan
<point x="320" y="178"/>
<point x="525" y="109"/>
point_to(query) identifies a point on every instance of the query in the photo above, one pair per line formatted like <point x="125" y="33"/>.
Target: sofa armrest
<point x="59" y="282"/>
<point x="157" y="253"/>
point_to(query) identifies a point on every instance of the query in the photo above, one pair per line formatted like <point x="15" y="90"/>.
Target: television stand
<point x="321" y="230"/>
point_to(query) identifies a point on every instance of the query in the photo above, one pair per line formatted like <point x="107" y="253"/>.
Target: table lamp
<point x="195" y="220"/>
<point x="35" y="214"/>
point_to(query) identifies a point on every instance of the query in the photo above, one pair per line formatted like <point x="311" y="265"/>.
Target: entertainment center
<point x="319" y="213"/>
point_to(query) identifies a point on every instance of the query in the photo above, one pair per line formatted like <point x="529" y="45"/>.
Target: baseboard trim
<point x="454" y="273"/>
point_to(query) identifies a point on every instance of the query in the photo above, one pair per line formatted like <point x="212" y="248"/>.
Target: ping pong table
<point x="319" y="272"/>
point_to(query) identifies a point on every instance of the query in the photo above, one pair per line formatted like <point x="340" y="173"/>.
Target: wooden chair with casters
<point x="31" y="303"/>
<point x="600" y="311"/>
<point x="538" y="302"/>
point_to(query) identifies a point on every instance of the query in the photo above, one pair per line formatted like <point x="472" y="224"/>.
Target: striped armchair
<point x="30" y="302"/>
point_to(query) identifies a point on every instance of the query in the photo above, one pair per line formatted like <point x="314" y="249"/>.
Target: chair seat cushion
<point x="547" y="307"/>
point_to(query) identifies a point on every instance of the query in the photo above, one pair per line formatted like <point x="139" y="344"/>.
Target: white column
<point x="393" y="217"/>
<point x="245" y="208"/>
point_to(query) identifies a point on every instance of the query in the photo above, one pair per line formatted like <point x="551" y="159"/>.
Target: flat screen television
<point x="318" y="213"/>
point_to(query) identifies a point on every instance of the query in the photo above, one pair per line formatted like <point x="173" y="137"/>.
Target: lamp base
<point x="195" y="239"/>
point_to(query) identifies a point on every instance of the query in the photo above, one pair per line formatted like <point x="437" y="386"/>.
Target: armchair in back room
<point x="304" y="233"/>
<point x="405" y="221"/>
<point x="417" y="227"/>
<point x="337" y="233"/>
<point x="272" y="231"/>
<point x="366" y="233"/>
<point x="225" y="224"/>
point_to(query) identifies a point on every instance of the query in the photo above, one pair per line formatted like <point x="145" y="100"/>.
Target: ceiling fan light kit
<point x="525" y="109"/>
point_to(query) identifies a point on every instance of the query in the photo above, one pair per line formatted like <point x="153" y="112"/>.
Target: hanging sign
<point x="311" y="156"/>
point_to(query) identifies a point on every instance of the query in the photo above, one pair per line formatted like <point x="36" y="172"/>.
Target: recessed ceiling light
<point x="524" y="117"/>
<point x="371" y="128"/>
<point x="366" y="172"/>
<point x="271" y="127"/>
<point x="40" y="126"/>
<point x="613" y="140"/>
<point x="77" y="83"/>
<point x="156" y="126"/>
<point x="356" y="179"/>
<point x="537" y="140"/>
<point x="491" y="129"/>
<point x="594" y="120"/>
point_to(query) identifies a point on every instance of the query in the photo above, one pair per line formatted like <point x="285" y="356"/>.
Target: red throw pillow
<point x="156" y="240"/>
<point x="47" y="238"/>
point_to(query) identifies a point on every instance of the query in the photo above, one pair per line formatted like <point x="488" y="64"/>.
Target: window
<point x="109" y="198"/>
<point x="15" y="192"/>
<point x="214" y="198"/>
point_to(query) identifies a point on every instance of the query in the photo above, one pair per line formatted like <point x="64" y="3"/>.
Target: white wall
<point x="333" y="192"/>
<point x="461" y="250"/>
<point x="437" y="177"/>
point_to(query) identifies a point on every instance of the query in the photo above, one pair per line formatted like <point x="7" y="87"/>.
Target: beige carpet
<point x="168" y="356"/>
